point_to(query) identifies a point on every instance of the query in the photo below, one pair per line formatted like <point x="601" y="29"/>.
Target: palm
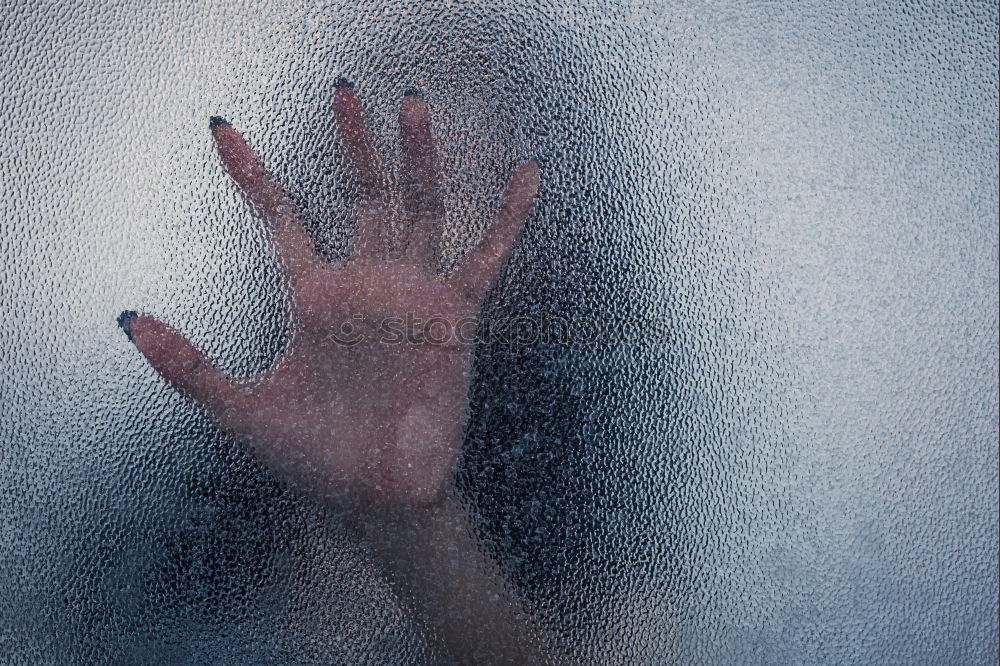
<point x="368" y="401"/>
<point x="393" y="400"/>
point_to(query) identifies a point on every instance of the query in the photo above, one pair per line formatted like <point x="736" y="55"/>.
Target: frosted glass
<point x="770" y="230"/>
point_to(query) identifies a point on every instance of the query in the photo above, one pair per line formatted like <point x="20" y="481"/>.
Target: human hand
<point x="355" y="409"/>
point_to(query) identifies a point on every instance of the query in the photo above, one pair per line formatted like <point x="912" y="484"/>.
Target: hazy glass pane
<point x="771" y="230"/>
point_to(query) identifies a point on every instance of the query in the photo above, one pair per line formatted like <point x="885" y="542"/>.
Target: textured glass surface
<point x="777" y="222"/>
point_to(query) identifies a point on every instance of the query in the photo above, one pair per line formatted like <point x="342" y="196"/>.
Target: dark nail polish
<point x="123" y="321"/>
<point x="412" y="91"/>
<point x="341" y="82"/>
<point x="215" y="121"/>
<point x="539" y="160"/>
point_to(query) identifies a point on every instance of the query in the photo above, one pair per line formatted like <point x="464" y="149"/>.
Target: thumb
<point x="185" y="367"/>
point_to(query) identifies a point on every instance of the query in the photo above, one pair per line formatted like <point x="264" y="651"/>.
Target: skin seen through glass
<point x="341" y="315"/>
<point x="354" y="419"/>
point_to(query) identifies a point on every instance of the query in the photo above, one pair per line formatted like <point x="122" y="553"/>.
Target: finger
<point x="352" y="128"/>
<point x="420" y="191"/>
<point x="292" y="242"/>
<point x="480" y="269"/>
<point x="186" y="368"/>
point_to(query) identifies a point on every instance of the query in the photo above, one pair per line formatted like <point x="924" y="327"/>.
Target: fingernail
<point x="341" y="82"/>
<point x="215" y="121"/>
<point x="414" y="92"/>
<point x="123" y="321"/>
<point x="538" y="159"/>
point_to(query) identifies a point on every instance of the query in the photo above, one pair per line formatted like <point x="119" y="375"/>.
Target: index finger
<point x="268" y="201"/>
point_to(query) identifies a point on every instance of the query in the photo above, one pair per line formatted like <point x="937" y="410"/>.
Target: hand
<point x="356" y="409"/>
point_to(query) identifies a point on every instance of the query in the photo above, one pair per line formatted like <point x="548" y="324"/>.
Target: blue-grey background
<point x="803" y="469"/>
